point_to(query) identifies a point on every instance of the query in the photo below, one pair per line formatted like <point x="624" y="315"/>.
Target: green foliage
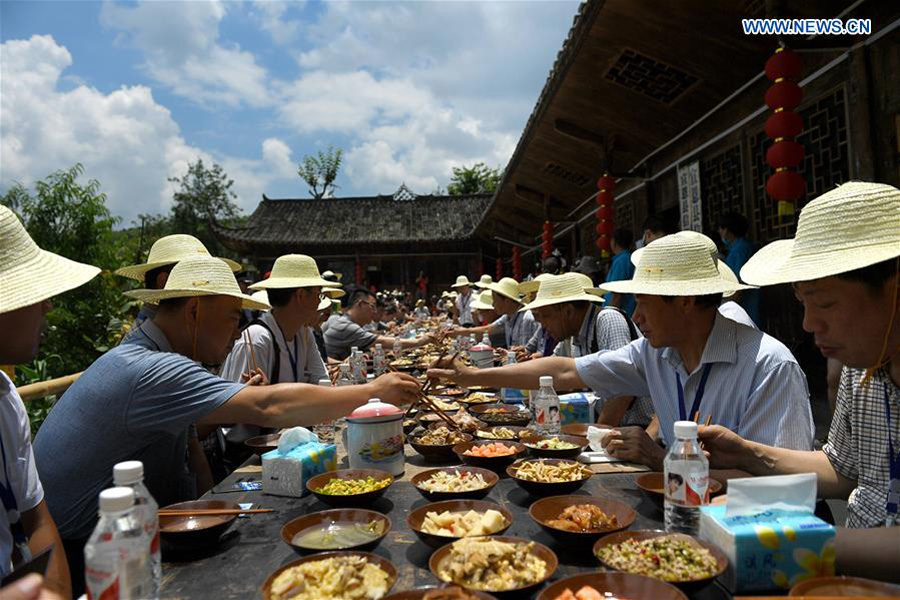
<point x="477" y="179"/>
<point x="38" y="371"/>
<point x="203" y="194"/>
<point x="320" y="171"/>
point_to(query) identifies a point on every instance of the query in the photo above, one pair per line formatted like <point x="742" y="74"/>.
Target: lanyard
<point x="591" y="345"/>
<point x="11" y="506"/>
<point x="893" y="496"/>
<point x="697" y="399"/>
<point x="293" y="357"/>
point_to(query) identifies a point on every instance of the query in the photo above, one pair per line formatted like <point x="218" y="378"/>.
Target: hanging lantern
<point x="359" y="273"/>
<point x="604" y="197"/>
<point x="603" y="244"/>
<point x="499" y="269"/>
<point x="785" y="185"/>
<point x="606" y="183"/>
<point x="547" y="238"/>
<point x="604" y="212"/>
<point x="516" y="264"/>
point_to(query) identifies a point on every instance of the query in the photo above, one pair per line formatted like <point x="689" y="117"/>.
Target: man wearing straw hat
<point x="140" y="400"/>
<point x="518" y="326"/>
<point x="463" y="301"/>
<point x="29" y="278"/>
<point x="164" y="253"/>
<point x="692" y="360"/>
<point x="843" y="265"/>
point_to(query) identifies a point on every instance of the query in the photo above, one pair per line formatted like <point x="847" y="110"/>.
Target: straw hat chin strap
<point x="884" y="358"/>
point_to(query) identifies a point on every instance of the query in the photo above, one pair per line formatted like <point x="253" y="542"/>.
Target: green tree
<point x="203" y="194"/>
<point x="477" y="179"/>
<point x="320" y="171"/>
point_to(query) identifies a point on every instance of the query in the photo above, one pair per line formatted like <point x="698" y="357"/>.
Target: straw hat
<point x="449" y="295"/>
<point x="29" y="275"/>
<point x="853" y="226"/>
<point x="531" y="286"/>
<point x="462" y="281"/>
<point x="331" y="274"/>
<point x="484" y="301"/>
<point x="296" y="271"/>
<point x="261" y="296"/>
<point x="506" y="287"/>
<point x="676" y="265"/>
<point x="169" y="250"/>
<point x="724" y="270"/>
<point x="199" y="276"/>
<point x="559" y="289"/>
<point x="484" y="282"/>
<point x="588" y="284"/>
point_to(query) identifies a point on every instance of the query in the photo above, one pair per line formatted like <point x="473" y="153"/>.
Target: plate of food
<point x="610" y="586"/>
<point x="453" y="483"/>
<point x="437" y="444"/>
<point x="350" y="487"/>
<point x="439" y="523"/>
<point x="451" y="392"/>
<point x="489" y="455"/>
<point x="501" y="565"/>
<point x="549" y="476"/>
<point x="448" y="592"/>
<point x="845" y="586"/>
<point x="680" y="559"/>
<point x="466" y="421"/>
<point x="332" y="575"/>
<point x="581" y="519"/>
<point x="505" y="432"/>
<point x="337" y="529"/>
<point x="501" y="414"/>
<point x="556" y="446"/>
<point x="475" y="398"/>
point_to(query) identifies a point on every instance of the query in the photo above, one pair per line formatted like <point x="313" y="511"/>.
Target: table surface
<point x="252" y="548"/>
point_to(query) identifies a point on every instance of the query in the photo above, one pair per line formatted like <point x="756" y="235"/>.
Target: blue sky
<point x="137" y="90"/>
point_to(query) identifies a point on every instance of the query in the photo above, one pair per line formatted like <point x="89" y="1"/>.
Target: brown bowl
<point x="541" y="488"/>
<point x="547" y="509"/>
<point x="417" y="517"/>
<point x="516" y="429"/>
<point x="496" y="407"/>
<point x="365" y="499"/>
<point x="433" y="452"/>
<point x="494" y="463"/>
<point x="490" y="478"/>
<point x="409" y="425"/>
<point x="648" y="534"/>
<point x="652" y="485"/>
<point x="581" y="429"/>
<point x="477" y="400"/>
<point x="514" y="417"/>
<point x="845" y="586"/>
<point x="539" y="550"/>
<point x="419" y="593"/>
<point x="338" y="515"/>
<point x="384" y="563"/>
<point x="618" y="585"/>
<point x="451" y="392"/>
<point x="197" y="530"/>
<point x="263" y="443"/>
<point x="580" y="442"/>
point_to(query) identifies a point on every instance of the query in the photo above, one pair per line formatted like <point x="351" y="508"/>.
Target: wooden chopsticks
<point x="697" y="418"/>
<point x="251" y="360"/>
<point x="210" y="512"/>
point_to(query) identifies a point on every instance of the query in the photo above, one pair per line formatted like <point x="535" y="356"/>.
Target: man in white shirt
<point x="463" y="301"/>
<point x="517" y="326"/>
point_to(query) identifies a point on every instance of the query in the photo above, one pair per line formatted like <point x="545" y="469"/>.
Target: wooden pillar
<point x="862" y="149"/>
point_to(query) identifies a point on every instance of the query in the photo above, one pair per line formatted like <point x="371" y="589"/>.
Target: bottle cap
<point x="685" y="429"/>
<point x="116" y="499"/>
<point x="325" y="382"/>
<point x="546" y="380"/>
<point x="128" y="472"/>
<point x="378" y="346"/>
<point x="354" y="349"/>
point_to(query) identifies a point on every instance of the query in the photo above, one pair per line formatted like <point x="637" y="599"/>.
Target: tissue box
<point x="513" y="396"/>
<point x="770" y="550"/>
<point x="576" y="408"/>
<point x="286" y="474"/>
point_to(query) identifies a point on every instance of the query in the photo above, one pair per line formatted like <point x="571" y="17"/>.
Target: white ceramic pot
<point x="374" y="437"/>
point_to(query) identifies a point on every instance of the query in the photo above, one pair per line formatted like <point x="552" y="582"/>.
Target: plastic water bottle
<point x="131" y="474"/>
<point x="485" y="340"/>
<point x="545" y="408"/>
<point x="398" y="348"/>
<point x="357" y="365"/>
<point x="686" y="480"/>
<point x="325" y="382"/>
<point x="506" y="393"/>
<point x="379" y="364"/>
<point x="344" y="378"/>
<point x="116" y="559"/>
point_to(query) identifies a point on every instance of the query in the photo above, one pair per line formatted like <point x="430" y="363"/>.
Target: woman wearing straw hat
<point x="139" y="400"/>
<point x="843" y="265"/>
<point x="691" y="360"/>
<point x="421" y="311"/>
<point x="518" y="326"/>
<point x="29" y="278"/>
<point x="463" y="301"/>
<point x="164" y="253"/>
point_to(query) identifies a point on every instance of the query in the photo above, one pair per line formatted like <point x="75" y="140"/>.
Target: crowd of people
<point x="671" y="333"/>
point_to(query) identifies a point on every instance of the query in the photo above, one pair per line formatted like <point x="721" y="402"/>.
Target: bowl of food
<point x="504" y="432"/>
<point x="466" y="421"/>
<point x="350" y="487"/>
<point x="332" y="575"/>
<point x="556" y="446"/>
<point x="337" y="529"/>
<point x="549" y="476"/>
<point x="504" y="566"/>
<point x="455" y="483"/>
<point x="449" y="592"/>
<point x="608" y="586"/>
<point x="501" y="414"/>
<point x="440" y="523"/>
<point x="263" y="443"/>
<point x="451" y="392"/>
<point x="196" y="530"/>
<point x="653" y="487"/>
<point x="477" y="398"/>
<point x="444" y="404"/>
<point x="581" y="519"/>
<point x="845" y="586"/>
<point x="680" y="559"/>
<point x="409" y="425"/>
<point x="437" y="444"/>
<point x="489" y="455"/>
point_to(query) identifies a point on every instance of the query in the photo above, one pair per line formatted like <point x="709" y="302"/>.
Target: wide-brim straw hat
<point x="29" y="275"/>
<point x="169" y="250"/>
<point x="676" y="265"/>
<point x="561" y="289"/>
<point x="484" y="301"/>
<point x="853" y="226"/>
<point x="484" y="282"/>
<point x="261" y="296"/>
<point x="462" y="281"/>
<point x="330" y="273"/>
<point x="506" y="287"/>
<point x="724" y="270"/>
<point x="450" y="295"/>
<point x="295" y="271"/>
<point x="588" y="283"/>
<point x="531" y="286"/>
<point x="200" y="276"/>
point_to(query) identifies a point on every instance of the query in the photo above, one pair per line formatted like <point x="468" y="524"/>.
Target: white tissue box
<point x="286" y="474"/>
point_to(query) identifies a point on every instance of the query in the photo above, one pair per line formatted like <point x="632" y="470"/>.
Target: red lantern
<point x="606" y="228"/>
<point x="499" y="269"/>
<point x="516" y="264"/>
<point x="548" y="227"/>
<point x="786" y="186"/>
<point x="603" y="244"/>
<point x="784" y="64"/>
<point x="604" y="213"/>
<point x="784" y="124"/>
<point x="359" y="273"/>
<point x="604" y="197"/>
<point x="784" y="94"/>
<point x="784" y="153"/>
<point x="606" y="183"/>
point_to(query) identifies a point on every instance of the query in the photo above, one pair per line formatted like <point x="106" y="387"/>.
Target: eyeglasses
<point x="369" y="304"/>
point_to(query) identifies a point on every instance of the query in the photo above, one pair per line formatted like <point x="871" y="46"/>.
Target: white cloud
<point x="270" y="14"/>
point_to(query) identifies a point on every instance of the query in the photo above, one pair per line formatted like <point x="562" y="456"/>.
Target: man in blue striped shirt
<point x="692" y="361"/>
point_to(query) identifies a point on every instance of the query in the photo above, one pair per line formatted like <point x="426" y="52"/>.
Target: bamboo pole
<point x="51" y="387"/>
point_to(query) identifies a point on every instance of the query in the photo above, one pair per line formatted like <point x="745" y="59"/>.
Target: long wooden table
<point x="252" y="549"/>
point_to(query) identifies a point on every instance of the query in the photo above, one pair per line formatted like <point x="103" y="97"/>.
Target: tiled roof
<point x="354" y="221"/>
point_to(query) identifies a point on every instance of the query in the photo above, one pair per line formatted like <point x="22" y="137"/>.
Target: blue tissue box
<point x="772" y="550"/>
<point x="286" y="474"/>
<point x="576" y="408"/>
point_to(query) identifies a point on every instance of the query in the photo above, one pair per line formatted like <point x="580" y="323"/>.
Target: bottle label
<point x="546" y="416"/>
<point x="118" y="568"/>
<point x="686" y="485"/>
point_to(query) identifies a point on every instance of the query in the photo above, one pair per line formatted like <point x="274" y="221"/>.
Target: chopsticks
<point x="211" y="512"/>
<point x="424" y="399"/>
<point x="251" y="360"/>
<point x="697" y="418"/>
